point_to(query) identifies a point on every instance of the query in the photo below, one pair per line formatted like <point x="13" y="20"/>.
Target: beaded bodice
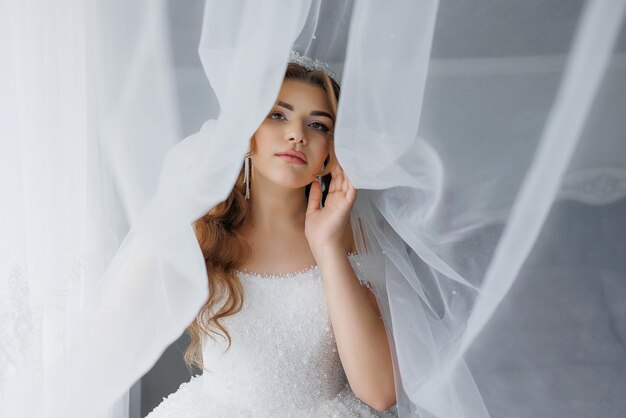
<point x="283" y="351"/>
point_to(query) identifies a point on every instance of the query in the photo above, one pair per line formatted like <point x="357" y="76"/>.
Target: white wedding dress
<point x="283" y="361"/>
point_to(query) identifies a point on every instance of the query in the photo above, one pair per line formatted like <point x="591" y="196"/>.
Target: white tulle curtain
<point x="87" y="114"/>
<point x="486" y="140"/>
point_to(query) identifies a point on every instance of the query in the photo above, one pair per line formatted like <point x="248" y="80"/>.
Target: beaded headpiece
<point x="311" y="64"/>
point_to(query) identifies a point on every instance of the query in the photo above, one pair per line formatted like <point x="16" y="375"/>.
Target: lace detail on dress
<point x="190" y="401"/>
<point x="277" y="275"/>
<point x="283" y="360"/>
<point x="354" y="258"/>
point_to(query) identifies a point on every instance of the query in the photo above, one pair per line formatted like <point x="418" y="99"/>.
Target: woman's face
<point x="300" y="121"/>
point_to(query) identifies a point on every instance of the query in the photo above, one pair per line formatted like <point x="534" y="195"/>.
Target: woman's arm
<point x="359" y="330"/>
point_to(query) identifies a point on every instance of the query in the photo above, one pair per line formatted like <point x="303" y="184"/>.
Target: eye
<point x="320" y="127"/>
<point x="280" y="115"/>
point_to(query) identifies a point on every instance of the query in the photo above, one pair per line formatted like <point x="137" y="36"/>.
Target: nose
<point x="295" y="132"/>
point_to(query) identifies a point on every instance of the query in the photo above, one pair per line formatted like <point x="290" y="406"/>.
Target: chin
<point x="284" y="177"/>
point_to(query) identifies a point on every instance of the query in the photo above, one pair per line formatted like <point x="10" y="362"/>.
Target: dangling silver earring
<point x="246" y="175"/>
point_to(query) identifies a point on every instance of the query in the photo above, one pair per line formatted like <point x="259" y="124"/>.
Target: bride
<point x="487" y="151"/>
<point x="274" y="338"/>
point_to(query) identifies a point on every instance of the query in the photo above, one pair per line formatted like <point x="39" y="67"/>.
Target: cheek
<point x="326" y="149"/>
<point x="263" y="132"/>
<point x="264" y="137"/>
<point x="322" y="153"/>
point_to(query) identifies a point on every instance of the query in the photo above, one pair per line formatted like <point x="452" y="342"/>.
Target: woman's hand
<point x="325" y="227"/>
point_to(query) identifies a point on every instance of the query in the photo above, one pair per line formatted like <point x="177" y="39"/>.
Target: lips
<point x="293" y="153"/>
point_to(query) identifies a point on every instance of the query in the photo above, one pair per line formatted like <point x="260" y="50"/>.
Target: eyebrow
<point x="313" y="113"/>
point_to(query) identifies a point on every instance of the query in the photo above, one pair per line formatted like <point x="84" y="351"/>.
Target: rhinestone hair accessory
<point x="311" y="64"/>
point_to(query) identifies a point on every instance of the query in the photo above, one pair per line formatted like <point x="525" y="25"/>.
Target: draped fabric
<point x="486" y="141"/>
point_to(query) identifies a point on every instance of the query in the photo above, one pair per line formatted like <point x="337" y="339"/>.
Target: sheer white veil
<point x="487" y="142"/>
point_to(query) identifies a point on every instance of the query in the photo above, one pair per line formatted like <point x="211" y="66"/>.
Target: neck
<point x="276" y="208"/>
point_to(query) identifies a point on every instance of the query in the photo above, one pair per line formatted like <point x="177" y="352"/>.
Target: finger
<point x="344" y="180"/>
<point x="333" y="181"/>
<point x="350" y="183"/>
<point x="315" y="196"/>
<point x="351" y="194"/>
<point x="336" y="183"/>
<point x="339" y="168"/>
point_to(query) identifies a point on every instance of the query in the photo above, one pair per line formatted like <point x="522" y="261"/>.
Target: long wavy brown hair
<point x="225" y="250"/>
